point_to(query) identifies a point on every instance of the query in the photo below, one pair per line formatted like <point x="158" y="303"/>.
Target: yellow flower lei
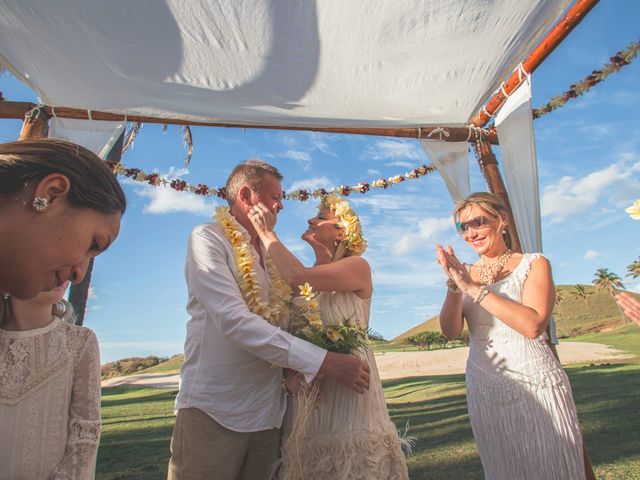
<point x="348" y="220"/>
<point x="279" y="294"/>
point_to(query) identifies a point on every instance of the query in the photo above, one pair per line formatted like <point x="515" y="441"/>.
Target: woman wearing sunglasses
<point x="520" y="403"/>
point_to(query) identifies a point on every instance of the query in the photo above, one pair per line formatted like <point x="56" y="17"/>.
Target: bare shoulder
<point x="354" y="262"/>
<point x="539" y="261"/>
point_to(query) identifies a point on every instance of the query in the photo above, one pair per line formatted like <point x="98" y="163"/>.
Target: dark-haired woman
<point x="60" y="205"/>
<point x="521" y="407"/>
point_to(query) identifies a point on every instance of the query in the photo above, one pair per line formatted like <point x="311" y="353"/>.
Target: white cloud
<point x="394" y="149"/>
<point x="592" y="255"/>
<point x="428" y="229"/>
<point x="399" y="163"/>
<point x="571" y="196"/>
<point x="167" y="200"/>
<point x="92" y="294"/>
<point x="373" y="172"/>
<point x="311" y="184"/>
<point x="164" y="199"/>
<point x="303" y="158"/>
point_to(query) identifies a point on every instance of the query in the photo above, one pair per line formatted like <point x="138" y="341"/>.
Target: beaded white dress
<point x="349" y="436"/>
<point x="520" y="403"/>
<point x="49" y="403"/>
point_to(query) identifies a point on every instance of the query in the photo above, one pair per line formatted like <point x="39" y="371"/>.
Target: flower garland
<point x="276" y="310"/>
<point x="348" y="220"/>
<point x="155" y="180"/>
<point x="619" y="60"/>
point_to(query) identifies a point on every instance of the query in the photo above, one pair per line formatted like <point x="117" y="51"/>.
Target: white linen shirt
<point x="230" y="353"/>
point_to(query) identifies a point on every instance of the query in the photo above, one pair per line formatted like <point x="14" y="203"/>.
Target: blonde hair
<point x="490" y="203"/>
<point x="250" y="172"/>
<point x="347" y="219"/>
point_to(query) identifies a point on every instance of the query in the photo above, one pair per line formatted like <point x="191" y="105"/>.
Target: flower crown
<point x="348" y="220"/>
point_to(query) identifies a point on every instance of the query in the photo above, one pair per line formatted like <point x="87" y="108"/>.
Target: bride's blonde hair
<point x="354" y="244"/>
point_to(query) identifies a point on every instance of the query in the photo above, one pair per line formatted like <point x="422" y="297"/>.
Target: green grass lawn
<point x="138" y="421"/>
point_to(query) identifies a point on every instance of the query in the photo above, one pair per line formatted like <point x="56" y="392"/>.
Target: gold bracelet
<point x="483" y="292"/>
<point x="452" y="286"/>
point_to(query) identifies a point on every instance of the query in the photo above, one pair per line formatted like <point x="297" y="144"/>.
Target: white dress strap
<point x="524" y="267"/>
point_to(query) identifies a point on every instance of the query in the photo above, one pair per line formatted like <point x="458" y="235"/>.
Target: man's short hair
<point x="251" y="173"/>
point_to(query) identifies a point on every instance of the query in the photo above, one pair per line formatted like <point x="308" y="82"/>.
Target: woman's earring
<point x="504" y="232"/>
<point x="40" y="204"/>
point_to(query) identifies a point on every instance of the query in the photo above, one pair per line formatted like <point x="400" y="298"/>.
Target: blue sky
<point x="589" y="162"/>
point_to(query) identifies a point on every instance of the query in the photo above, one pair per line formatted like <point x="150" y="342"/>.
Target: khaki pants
<point x="202" y="449"/>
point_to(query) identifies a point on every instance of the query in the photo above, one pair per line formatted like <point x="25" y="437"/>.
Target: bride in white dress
<point x="348" y="436"/>
<point x="520" y="403"/>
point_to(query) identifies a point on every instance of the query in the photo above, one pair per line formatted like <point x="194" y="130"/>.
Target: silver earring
<point x="40" y="204"/>
<point x="5" y="296"/>
<point x="504" y="232"/>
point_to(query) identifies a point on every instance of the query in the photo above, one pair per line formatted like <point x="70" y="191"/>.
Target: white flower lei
<point x="276" y="309"/>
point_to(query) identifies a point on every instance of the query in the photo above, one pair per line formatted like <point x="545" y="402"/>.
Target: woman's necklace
<point x="489" y="273"/>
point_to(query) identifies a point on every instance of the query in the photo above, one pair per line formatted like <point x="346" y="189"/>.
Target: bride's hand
<point x="263" y="219"/>
<point x="294" y="381"/>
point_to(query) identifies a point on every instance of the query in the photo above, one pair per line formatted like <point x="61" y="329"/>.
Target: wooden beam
<point x="489" y="166"/>
<point x="548" y="44"/>
<point x="455" y="134"/>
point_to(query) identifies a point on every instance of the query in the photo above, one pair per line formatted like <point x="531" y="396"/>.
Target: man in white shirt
<point x="231" y="404"/>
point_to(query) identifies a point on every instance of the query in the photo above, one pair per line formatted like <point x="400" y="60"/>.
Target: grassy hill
<point x="574" y="316"/>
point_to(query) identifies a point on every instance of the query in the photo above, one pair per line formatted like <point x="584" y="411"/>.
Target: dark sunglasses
<point x="475" y="223"/>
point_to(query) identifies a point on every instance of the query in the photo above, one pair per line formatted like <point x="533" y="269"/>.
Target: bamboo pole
<point x="449" y="134"/>
<point x="489" y="167"/>
<point x="35" y="125"/>
<point x="548" y="44"/>
<point x="79" y="293"/>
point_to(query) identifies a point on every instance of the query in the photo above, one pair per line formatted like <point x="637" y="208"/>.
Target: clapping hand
<point x="453" y="268"/>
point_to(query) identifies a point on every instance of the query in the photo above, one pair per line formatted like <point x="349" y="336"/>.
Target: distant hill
<point x="573" y="316"/>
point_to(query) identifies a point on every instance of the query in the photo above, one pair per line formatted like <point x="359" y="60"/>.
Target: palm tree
<point x="634" y="269"/>
<point x="608" y="281"/>
<point x="580" y="292"/>
<point x="558" y="301"/>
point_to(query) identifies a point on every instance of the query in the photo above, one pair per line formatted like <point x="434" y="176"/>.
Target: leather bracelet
<point x="452" y="286"/>
<point x="483" y="292"/>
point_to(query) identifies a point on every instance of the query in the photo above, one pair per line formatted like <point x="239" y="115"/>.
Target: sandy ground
<point x="409" y="364"/>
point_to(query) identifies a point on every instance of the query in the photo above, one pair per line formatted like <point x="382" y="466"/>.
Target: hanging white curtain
<point x="514" y="124"/>
<point x="96" y="135"/>
<point x="452" y="161"/>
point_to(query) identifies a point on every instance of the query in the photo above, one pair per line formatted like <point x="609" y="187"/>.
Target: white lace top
<point x="49" y="403"/>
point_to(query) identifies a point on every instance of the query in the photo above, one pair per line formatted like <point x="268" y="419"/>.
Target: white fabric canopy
<point x="514" y="124"/>
<point x="279" y="62"/>
<point x="97" y="136"/>
<point x="452" y="161"/>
